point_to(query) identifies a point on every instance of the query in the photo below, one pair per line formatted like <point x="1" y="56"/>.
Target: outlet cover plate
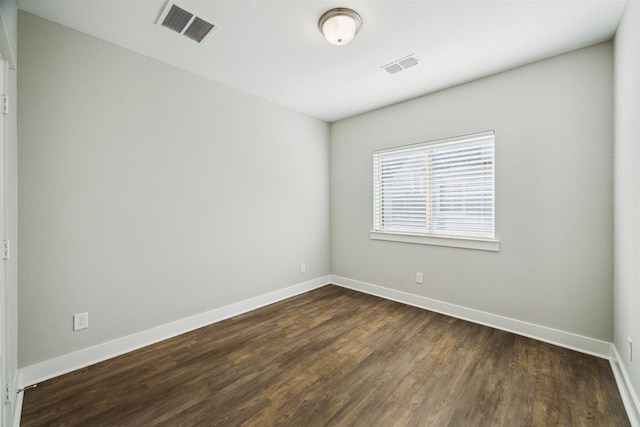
<point x="80" y="321"/>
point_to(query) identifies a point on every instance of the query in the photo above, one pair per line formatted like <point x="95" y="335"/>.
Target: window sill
<point x="455" y="242"/>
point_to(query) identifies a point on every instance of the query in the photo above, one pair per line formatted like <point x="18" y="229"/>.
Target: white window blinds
<point x="442" y="188"/>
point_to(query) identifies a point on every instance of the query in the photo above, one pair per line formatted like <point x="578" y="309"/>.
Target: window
<point x="439" y="192"/>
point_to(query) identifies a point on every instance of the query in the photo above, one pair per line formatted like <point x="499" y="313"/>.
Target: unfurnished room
<point x="320" y="213"/>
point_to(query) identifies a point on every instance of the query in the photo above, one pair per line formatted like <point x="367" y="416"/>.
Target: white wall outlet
<point x="80" y="321"/>
<point x="630" y="349"/>
<point x="419" y="278"/>
<point x="303" y="268"/>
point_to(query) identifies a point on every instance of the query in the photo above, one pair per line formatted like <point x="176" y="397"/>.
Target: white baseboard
<point x="51" y="368"/>
<point x="541" y="333"/>
<point x="568" y="340"/>
<point x="628" y="394"/>
<point x="63" y="364"/>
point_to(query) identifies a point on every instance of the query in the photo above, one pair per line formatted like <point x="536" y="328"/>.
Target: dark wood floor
<point x="341" y="358"/>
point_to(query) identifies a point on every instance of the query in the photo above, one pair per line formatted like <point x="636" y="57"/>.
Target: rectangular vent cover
<point x="401" y="64"/>
<point x="186" y="23"/>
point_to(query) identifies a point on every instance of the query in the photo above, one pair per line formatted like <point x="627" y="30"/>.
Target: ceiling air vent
<point x="186" y="23"/>
<point x="401" y="64"/>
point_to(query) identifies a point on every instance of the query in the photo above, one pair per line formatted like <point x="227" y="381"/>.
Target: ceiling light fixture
<point x="340" y="25"/>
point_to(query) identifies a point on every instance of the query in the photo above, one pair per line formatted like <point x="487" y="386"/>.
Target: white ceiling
<point x="274" y="50"/>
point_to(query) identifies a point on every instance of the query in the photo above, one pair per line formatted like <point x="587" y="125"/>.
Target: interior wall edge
<point x="17" y="407"/>
<point x="628" y="394"/>
<point x="571" y="341"/>
<point x="42" y="371"/>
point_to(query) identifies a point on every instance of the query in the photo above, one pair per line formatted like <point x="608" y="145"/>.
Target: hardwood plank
<point x="552" y="395"/>
<point x="450" y="372"/>
<point x="514" y="409"/>
<point x="336" y="357"/>
<point x="486" y="385"/>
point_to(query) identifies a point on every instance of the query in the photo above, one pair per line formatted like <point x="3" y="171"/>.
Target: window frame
<point x="451" y="240"/>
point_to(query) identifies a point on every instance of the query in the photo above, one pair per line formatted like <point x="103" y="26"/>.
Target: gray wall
<point x="627" y="191"/>
<point x="553" y="123"/>
<point x="148" y="194"/>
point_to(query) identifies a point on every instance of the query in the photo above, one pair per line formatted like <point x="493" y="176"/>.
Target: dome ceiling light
<point x="340" y="25"/>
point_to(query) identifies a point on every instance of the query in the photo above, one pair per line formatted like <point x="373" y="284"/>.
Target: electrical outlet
<point x="630" y="349"/>
<point x="80" y="321"/>
<point x="303" y="268"/>
<point x="419" y="278"/>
